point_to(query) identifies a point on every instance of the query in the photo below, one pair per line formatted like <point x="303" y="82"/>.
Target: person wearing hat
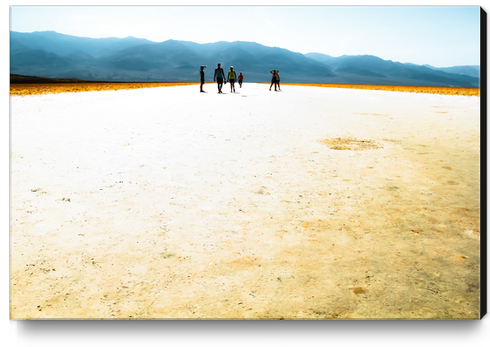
<point x="231" y="79"/>
<point x="240" y="79"/>
<point x="219" y="76"/>
<point x="201" y="73"/>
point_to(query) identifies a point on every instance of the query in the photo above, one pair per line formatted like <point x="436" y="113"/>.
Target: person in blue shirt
<point x="219" y="76"/>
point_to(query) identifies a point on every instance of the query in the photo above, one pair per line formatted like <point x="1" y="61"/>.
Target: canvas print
<point x="245" y="162"/>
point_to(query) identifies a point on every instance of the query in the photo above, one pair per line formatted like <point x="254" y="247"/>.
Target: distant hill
<point x="469" y="70"/>
<point x="53" y="55"/>
<point x="63" y="45"/>
<point x="22" y="79"/>
<point x="379" y="71"/>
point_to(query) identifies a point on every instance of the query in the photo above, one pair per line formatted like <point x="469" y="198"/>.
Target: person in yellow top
<point x="231" y="79"/>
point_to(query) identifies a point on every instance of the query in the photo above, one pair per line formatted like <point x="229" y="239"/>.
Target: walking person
<point x="231" y="79"/>
<point x="275" y="77"/>
<point x="201" y="73"/>
<point x="219" y="75"/>
<point x="240" y="79"/>
<point x="278" y="80"/>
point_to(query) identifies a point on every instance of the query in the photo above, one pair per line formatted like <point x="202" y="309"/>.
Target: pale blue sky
<point x="436" y="35"/>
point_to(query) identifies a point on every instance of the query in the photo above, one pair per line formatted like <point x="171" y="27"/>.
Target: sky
<point x="436" y="35"/>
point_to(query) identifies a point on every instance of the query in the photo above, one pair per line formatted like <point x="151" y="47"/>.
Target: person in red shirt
<point x="240" y="79"/>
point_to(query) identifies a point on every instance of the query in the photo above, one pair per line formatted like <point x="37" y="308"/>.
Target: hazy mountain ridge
<point x="469" y="70"/>
<point x="367" y="65"/>
<point x="54" y="55"/>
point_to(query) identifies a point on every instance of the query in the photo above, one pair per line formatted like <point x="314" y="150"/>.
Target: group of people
<point x="220" y="78"/>
<point x="275" y="80"/>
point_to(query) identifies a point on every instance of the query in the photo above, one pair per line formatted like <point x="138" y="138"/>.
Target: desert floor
<point x="170" y="203"/>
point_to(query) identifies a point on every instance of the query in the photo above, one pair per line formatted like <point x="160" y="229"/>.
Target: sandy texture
<point x="170" y="203"/>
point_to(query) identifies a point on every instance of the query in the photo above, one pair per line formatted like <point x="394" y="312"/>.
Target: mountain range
<point x="54" y="55"/>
